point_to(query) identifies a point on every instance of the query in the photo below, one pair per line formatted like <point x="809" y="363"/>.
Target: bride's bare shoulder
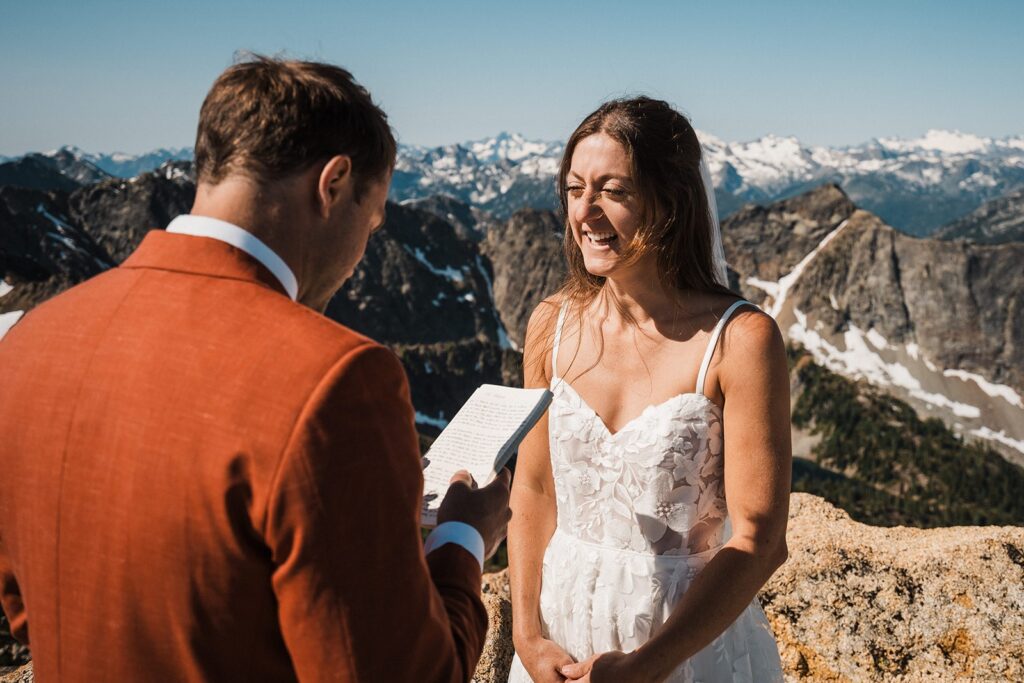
<point x="544" y="317"/>
<point x="751" y="343"/>
<point x="540" y="335"/>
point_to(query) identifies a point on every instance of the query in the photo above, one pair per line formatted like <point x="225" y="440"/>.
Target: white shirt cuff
<point x="458" y="533"/>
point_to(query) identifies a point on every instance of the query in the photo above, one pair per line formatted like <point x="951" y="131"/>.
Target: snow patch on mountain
<point x="768" y="162"/>
<point x="876" y="339"/>
<point x="778" y="291"/>
<point x="448" y="272"/>
<point x="858" y="354"/>
<point x="858" y="360"/>
<point x="63" y="235"/>
<point x="992" y="389"/>
<point x="1000" y="436"/>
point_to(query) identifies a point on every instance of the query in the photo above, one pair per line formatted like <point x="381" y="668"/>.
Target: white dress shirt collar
<point x="204" y="226"/>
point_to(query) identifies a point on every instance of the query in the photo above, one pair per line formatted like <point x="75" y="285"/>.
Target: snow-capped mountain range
<point x="916" y="185"/>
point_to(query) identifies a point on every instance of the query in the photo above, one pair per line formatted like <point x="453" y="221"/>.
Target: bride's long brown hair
<point x="664" y="156"/>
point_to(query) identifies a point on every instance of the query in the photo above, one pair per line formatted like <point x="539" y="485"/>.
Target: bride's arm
<point x="754" y="379"/>
<point x="533" y="511"/>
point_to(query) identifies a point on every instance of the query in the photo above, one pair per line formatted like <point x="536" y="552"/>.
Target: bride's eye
<point x="574" y="190"/>
<point x="614" y="192"/>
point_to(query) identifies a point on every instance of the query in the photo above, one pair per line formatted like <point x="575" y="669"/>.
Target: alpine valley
<point x="906" y="350"/>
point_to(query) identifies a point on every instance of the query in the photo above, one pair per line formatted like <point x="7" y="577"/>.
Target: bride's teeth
<point x="601" y="237"/>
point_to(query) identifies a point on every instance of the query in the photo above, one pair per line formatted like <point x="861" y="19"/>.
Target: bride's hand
<point x="607" y="667"/>
<point x="543" y="659"/>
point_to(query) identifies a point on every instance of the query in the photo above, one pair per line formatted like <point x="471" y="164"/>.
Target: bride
<point x="650" y="504"/>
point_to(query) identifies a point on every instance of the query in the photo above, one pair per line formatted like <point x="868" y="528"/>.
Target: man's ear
<point x="335" y="183"/>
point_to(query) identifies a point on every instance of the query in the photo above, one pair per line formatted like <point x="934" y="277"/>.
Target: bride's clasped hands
<point x="607" y="667"/>
<point x="547" y="662"/>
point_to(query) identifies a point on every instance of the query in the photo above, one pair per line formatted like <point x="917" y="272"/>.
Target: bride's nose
<point x="586" y="209"/>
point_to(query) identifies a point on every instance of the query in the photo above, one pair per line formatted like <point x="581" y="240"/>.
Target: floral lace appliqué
<point x="656" y="485"/>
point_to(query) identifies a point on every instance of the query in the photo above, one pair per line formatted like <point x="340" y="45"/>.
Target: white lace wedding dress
<point x="640" y="513"/>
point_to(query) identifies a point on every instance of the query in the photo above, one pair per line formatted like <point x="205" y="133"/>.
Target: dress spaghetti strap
<point x="558" y="336"/>
<point x="714" y="342"/>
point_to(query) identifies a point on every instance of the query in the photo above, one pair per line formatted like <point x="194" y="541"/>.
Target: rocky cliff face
<point x="994" y="222"/>
<point x="764" y="243"/>
<point x="962" y="304"/>
<point x="443" y="375"/>
<point x="937" y="323"/>
<point x="526" y="253"/>
<point x="861" y="603"/>
<point x="53" y="239"/>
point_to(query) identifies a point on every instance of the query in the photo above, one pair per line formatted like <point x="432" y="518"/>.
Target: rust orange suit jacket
<point x="202" y="480"/>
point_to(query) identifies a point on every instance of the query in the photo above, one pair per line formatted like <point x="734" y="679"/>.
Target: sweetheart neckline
<point x="629" y="423"/>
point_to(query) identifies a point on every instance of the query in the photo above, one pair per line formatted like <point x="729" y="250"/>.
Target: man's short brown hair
<point x="268" y="118"/>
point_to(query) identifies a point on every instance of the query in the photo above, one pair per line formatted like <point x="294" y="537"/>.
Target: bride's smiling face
<point x="603" y="205"/>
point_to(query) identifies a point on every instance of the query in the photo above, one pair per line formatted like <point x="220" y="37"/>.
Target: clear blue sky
<point x="110" y="75"/>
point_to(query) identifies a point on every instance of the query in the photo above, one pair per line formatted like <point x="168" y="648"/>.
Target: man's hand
<point x="608" y="667"/>
<point x="484" y="509"/>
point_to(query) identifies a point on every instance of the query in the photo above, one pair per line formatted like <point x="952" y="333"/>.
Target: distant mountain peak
<point x="511" y="147"/>
<point x="939" y="140"/>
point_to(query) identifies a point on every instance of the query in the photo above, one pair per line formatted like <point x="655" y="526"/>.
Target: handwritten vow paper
<point x="481" y="438"/>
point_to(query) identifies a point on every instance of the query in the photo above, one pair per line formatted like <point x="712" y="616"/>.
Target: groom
<point x="201" y="477"/>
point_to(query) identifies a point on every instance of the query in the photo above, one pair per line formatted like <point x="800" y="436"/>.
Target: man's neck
<point x="263" y="212"/>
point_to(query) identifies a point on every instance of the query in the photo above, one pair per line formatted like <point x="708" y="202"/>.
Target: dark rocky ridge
<point x="443" y="375"/>
<point x="61" y="171"/>
<point x="997" y="221"/>
<point x="118" y="213"/>
<point x="916" y="210"/>
<point x="418" y="284"/>
<point x="962" y="303"/>
<point x="526" y="252"/>
<point x="42" y="251"/>
<point x="470" y="223"/>
<point x="35" y="172"/>
<point x="426" y="292"/>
